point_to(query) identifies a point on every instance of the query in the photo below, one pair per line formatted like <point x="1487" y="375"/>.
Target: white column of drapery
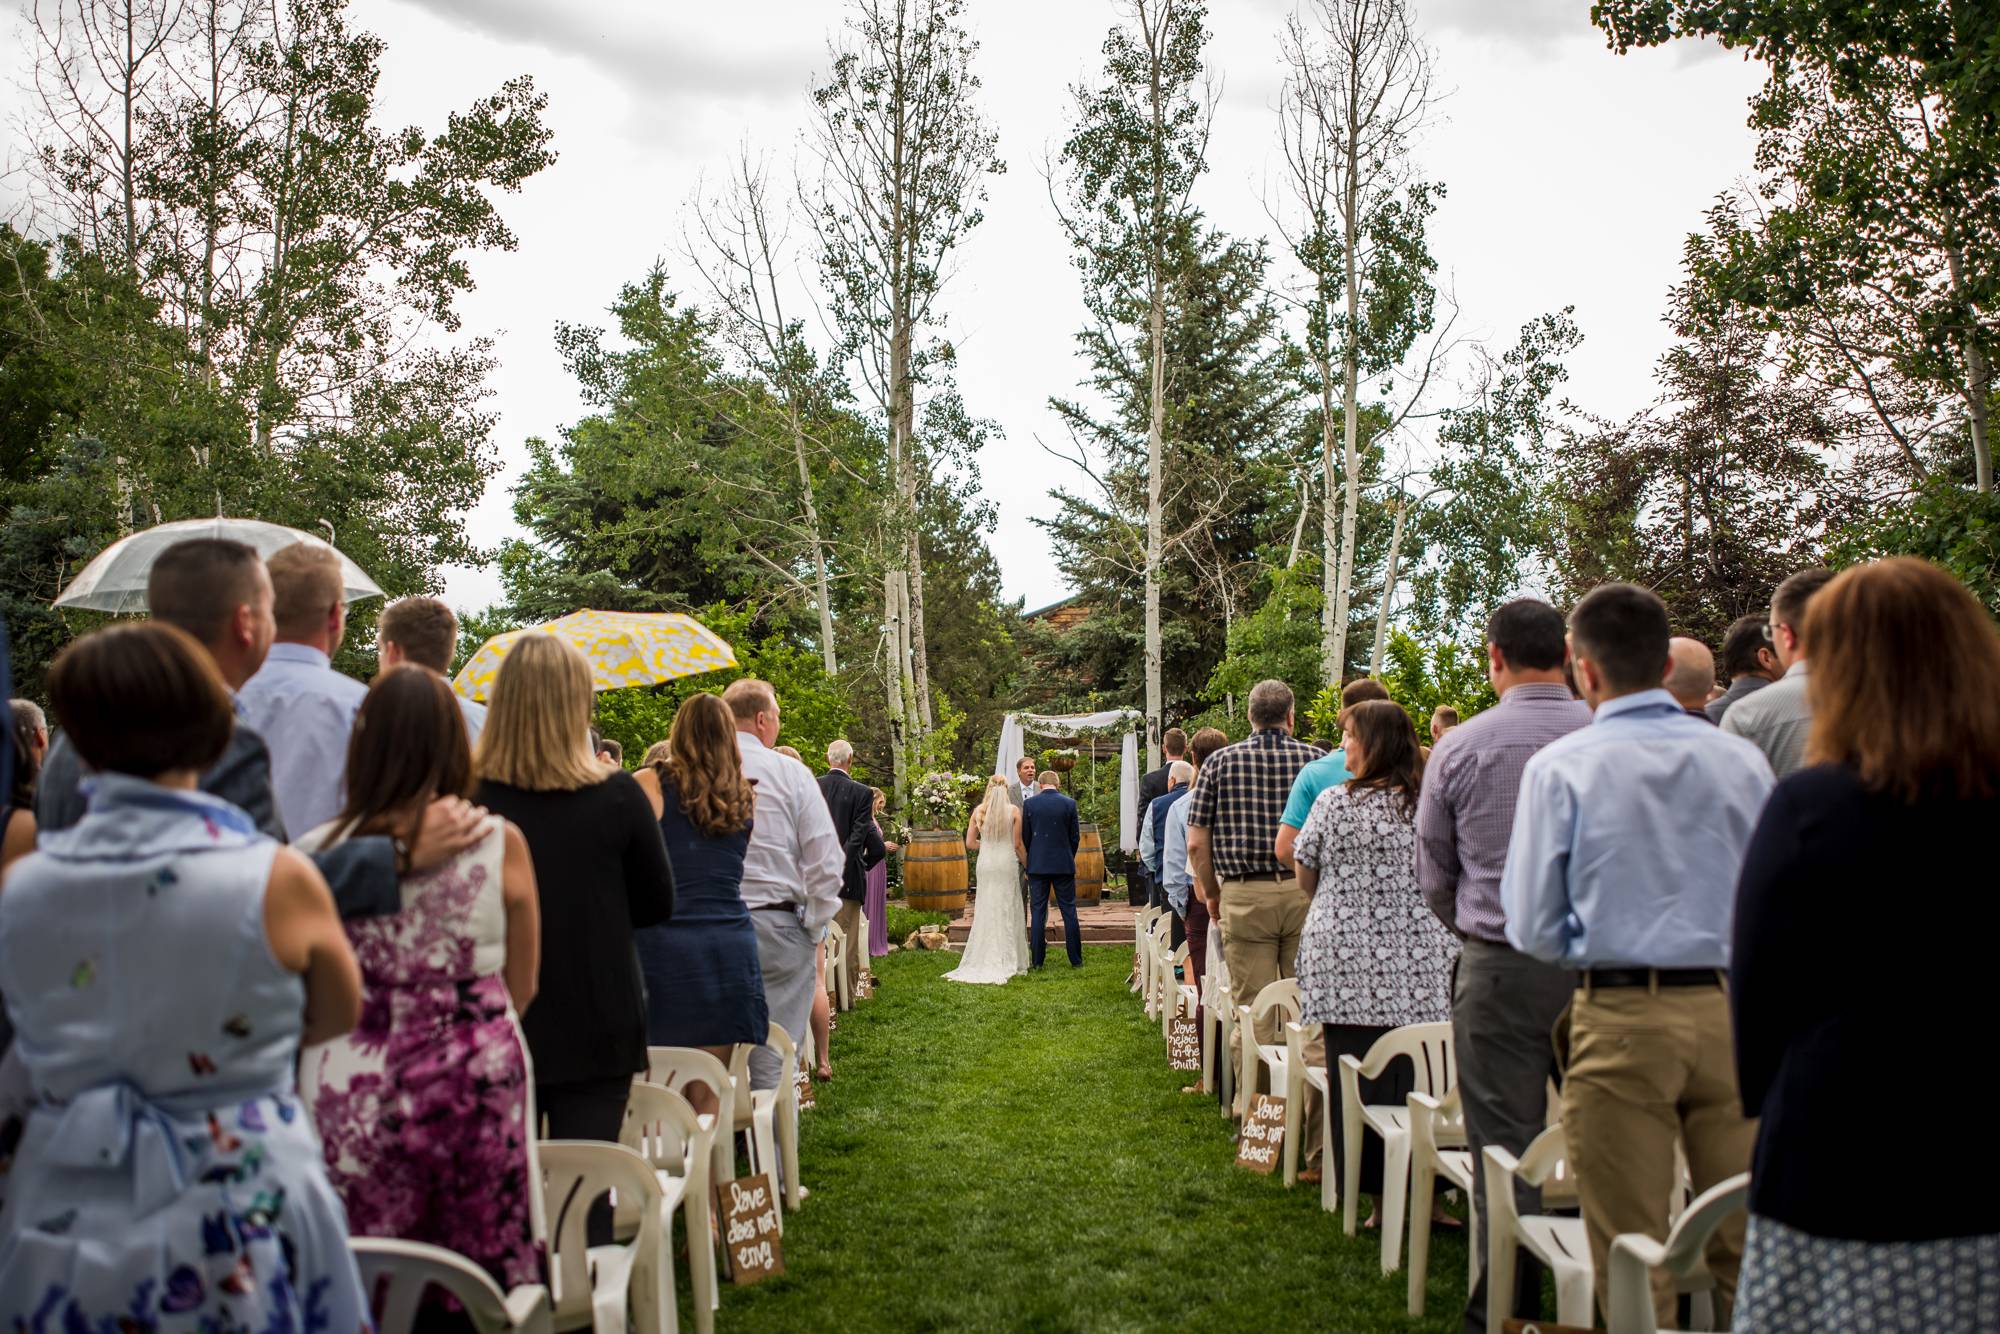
<point x="1128" y="794"/>
<point x="1012" y="746"/>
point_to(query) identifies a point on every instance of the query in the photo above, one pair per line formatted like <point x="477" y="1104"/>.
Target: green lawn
<point x="1020" y="1157"/>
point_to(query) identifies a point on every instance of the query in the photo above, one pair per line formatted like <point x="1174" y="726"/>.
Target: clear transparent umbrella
<point x="116" y="580"/>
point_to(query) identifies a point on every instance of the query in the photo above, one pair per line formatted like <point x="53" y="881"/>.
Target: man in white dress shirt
<point x="1023" y="785"/>
<point x="303" y="708"/>
<point x="791" y="870"/>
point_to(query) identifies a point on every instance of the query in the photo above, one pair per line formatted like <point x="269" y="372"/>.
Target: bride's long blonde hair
<point x="999" y="823"/>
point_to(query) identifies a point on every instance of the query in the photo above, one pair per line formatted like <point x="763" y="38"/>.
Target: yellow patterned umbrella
<point x="625" y="648"/>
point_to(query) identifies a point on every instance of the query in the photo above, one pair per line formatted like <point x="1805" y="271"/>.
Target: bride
<point x="997" y="949"/>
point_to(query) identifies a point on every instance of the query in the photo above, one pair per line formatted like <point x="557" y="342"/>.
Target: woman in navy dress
<point x="704" y="985"/>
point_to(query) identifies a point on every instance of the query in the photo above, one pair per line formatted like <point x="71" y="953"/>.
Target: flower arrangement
<point x="937" y="800"/>
<point x="1061" y="760"/>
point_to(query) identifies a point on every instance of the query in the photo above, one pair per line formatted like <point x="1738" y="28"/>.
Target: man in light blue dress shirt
<point x="423" y="631"/>
<point x="1627" y="842"/>
<point x="302" y="708"/>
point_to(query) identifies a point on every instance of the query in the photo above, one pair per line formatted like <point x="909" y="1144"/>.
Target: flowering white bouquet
<point x="937" y="799"/>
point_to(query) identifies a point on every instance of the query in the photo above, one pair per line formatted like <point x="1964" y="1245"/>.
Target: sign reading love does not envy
<point x="1183" y="1044"/>
<point x="749" y="1209"/>
<point x="1263" y="1134"/>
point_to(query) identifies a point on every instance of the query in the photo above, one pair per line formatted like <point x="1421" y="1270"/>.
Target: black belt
<point x="1649" y="977"/>
<point x="791" y="908"/>
<point x="1273" y="876"/>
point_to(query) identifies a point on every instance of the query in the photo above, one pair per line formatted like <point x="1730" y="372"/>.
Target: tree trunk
<point x="1388" y="591"/>
<point x="1155" y="476"/>
<point x="1978" y="415"/>
<point x="892" y="683"/>
<point x="828" y="658"/>
<point x="920" y="658"/>
<point x="1336" y="667"/>
<point x="1330" y="641"/>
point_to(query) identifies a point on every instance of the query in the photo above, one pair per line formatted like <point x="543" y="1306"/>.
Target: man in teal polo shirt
<point x="1322" y="773"/>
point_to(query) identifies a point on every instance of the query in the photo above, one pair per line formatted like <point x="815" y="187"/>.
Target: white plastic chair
<point x="1159" y="966"/>
<point x="836" y="967"/>
<point x="1218" y="1075"/>
<point x="775" y="1121"/>
<point x="661" y="1128"/>
<point x="1300" y="1087"/>
<point x="678" y="1067"/>
<point x="861" y="955"/>
<point x="1429" y="1048"/>
<point x="399" y="1272"/>
<point x="1173" y="991"/>
<point x="1628" y="1299"/>
<point x="1561" y="1243"/>
<point x="1280" y="997"/>
<point x="1329" y="1180"/>
<point x="595" y="1286"/>
<point x="1437" y="1149"/>
<point x="1142" y="958"/>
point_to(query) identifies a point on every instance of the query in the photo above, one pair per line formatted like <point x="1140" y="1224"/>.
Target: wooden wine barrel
<point x="934" y="875"/>
<point x="1089" y="867"/>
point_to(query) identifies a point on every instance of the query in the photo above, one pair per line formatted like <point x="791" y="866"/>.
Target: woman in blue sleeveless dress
<point x="704" y="985"/>
<point x="162" y="961"/>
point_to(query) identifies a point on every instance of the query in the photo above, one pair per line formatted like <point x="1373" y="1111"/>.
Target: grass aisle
<point x="1020" y="1157"/>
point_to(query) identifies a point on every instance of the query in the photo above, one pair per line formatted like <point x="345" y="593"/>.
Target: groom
<point x="1050" y="832"/>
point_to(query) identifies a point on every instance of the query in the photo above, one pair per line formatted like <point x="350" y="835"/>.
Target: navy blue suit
<point x="1050" y="832"/>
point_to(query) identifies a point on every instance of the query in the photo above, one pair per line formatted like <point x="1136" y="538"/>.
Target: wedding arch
<point x="1019" y="726"/>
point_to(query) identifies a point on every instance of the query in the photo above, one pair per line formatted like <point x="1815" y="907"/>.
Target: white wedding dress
<point x="997" y="949"/>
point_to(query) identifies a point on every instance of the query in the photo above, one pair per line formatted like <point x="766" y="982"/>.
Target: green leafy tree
<point x="1875" y="237"/>
<point x="1279" y="641"/>
<point x="1420" y="678"/>
<point x="1943" y="523"/>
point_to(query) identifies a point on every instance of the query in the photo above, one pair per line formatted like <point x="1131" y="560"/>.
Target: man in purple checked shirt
<point x="1504" y="1003"/>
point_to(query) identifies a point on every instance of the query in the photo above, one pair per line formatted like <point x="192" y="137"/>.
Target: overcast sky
<point x="1573" y="177"/>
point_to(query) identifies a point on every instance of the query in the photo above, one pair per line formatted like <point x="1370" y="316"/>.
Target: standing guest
<point x="851" y="807"/>
<point x="218" y="591"/>
<point x="703" y="986"/>
<point x="790" y="753"/>
<point x="1153" y="786"/>
<point x="1443" y="719"/>
<point x="163" y="962"/>
<point x="1905" y="756"/>
<point x="424" y="631"/>
<point x="1024" y="786"/>
<point x="1690" y="675"/>
<point x="791" y="870"/>
<point x="612" y="752"/>
<point x="1627" y="842"/>
<point x="28" y="741"/>
<point x="1179" y="879"/>
<point x="424" y="1106"/>
<point x="303" y="708"/>
<point x="1234" y="814"/>
<point x="1153" y="840"/>
<point x="601" y="874"/>
<point x="878" y="883"/>
<point x="1325" y="771"/>
<point x="1748" y="659"/>
<point x="1504" y="1003"/>
<point x="1778" y="717"/>
<point x="1372" y="956"/>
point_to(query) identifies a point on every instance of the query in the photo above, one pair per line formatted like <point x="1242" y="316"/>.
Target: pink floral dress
<point x="424" y="1108"/>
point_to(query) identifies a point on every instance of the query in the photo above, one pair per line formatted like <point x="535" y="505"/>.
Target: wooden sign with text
<point x="1263" y="1134"/>
<point x="749" y="1208"/>
<point x="1183" y="1044"/>
<point x="803" y="1082"/>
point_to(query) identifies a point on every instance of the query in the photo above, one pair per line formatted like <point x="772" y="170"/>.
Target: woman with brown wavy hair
<point x="1863" y="943"/>
<point x="704" y="984"/>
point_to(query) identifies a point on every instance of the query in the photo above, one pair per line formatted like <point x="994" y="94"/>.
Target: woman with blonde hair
<point x="601" y="873"/>
<point x="877" y="904"/>
<point x="704" y="987"/>
<point x="1862" y="870"/>
<point x="997" y="948"/>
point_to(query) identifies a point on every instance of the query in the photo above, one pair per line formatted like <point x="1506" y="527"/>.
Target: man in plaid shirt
<point x="1233" y="817"/>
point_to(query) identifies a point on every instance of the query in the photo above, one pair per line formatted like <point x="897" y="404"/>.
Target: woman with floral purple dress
<point x="424" y="1108"/>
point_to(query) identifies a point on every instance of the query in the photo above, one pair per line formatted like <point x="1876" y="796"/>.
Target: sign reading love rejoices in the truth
<point x="1263" y="1134"/>
<point x="750" y="1229"/>
<point x="1183" y="1044"/>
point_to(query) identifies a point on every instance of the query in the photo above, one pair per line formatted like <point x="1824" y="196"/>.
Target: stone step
<point x="1107" y="924"/>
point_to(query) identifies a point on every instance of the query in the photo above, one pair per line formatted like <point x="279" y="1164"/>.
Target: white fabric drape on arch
<point x="1013" y="745"/>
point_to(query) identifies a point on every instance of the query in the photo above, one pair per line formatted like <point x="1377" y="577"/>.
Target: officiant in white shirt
<point x="1022" y="785"/>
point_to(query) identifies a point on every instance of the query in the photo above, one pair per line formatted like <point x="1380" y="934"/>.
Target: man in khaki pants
<point x="1232" y="835"/>
<point x="1627" y="842"/>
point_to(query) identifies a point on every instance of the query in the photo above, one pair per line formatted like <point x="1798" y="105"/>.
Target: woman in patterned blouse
<point x="1373" y="956"/>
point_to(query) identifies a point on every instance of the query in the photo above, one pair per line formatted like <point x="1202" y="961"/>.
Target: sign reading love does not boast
<point x="803" y="1083"/>
<point x="1263" y="1134"/>
<point x="1183" y="1044"/>
<point x="749" y="1208"/>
